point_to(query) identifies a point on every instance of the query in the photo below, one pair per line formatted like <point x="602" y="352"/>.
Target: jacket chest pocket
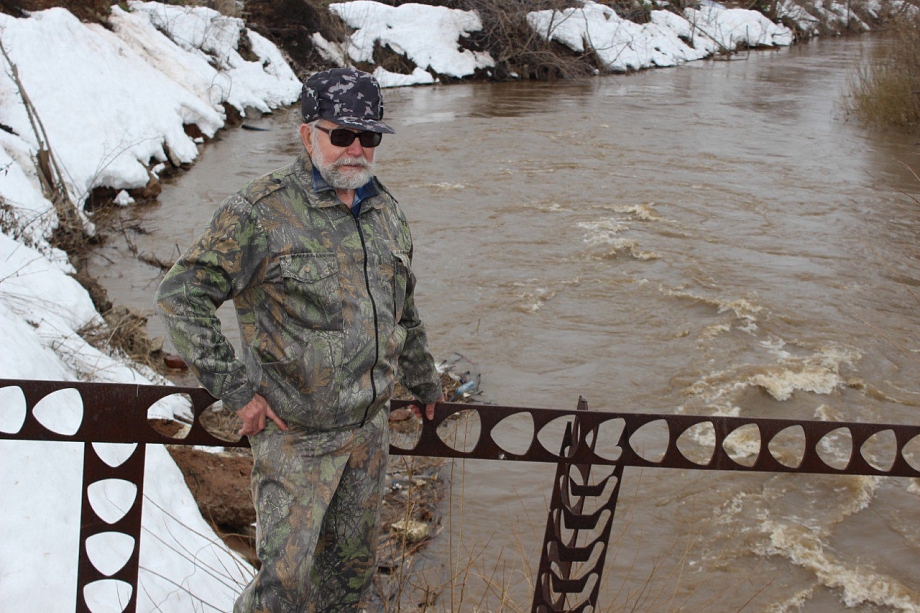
<point x="313" y="295"/>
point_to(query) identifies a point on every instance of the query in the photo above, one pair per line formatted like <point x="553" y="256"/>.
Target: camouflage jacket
<point x="324" y="301"/>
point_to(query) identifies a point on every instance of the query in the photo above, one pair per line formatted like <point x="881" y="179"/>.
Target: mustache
<point x="351" y="162"/>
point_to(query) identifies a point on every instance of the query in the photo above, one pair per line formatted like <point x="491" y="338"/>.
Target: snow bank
<point x="669" y="39"/>
<point x="112" y="101"/>
<point x="428" y="36"/>
<point x="431" y="37"/>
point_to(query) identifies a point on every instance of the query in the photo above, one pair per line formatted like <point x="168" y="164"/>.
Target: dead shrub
<point x="886" y="87"/>
<point x="230" y="8"/>
<point x="125" y="330"/>
<point x="94" y="11"/>
<point x="290" y="23"/>
<point x="519" y="51"/>
<point x="390" y="60"/>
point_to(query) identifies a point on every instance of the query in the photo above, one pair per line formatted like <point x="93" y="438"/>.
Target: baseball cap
<point x="346" y="96"/>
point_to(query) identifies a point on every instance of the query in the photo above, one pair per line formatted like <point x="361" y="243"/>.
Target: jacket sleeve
<point x="416" y="366"/>
<point x="219" y="265"/>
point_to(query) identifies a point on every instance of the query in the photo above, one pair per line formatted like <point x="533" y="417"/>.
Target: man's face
<point x="342" y="167"/>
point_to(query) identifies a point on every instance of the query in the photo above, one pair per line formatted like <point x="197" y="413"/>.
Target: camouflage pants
<point x="317" y="499"/>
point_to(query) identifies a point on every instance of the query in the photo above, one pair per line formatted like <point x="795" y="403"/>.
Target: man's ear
<point x="306" y="135"/>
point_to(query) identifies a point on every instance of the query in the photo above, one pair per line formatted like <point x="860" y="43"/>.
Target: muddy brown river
<point x="718" y="238"/>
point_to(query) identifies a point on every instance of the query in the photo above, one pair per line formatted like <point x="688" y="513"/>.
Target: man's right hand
<point x="254" y="415"/>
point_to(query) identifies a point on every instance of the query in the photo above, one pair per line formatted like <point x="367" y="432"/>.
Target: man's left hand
<point x="429" y="408"/>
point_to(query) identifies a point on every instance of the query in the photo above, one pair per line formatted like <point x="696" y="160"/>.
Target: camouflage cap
<point x="346" y="96"/>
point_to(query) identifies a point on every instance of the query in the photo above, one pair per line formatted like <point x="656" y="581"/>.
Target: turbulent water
<point x="718" y="238"/>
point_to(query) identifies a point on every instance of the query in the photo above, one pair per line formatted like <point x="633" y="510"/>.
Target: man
<point x="316" y="258"/>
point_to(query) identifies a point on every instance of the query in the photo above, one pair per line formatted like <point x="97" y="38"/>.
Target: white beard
<point x="340" y="178"/>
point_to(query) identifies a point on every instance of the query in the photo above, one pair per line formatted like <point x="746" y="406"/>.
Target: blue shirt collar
<point x="368" y="190"/>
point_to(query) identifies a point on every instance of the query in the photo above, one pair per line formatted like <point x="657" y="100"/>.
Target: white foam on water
<point x="819" y="373"/>
<point x="776" y="346"/>
<point x="534" y="293"/>
<point x="826" y="412"/>
<point x="715" y="392"/>
<point x="642" y="212"/>
<point x="742" y="308"/>
<point x="606" y="233"/>
<point x="715" y="330"/>
<point x="793" y="603"/>
<point x="533" y="297"/>
<point x="639" y="211"/>
<point x="914" y="487"/>
<point x="439" y="187"/>
<point x="781" y="382"/>
<point x="744" y="443"/>
<point x="859" y="584"/>
<point x="719" y="392"/>
<point x="802" y="540"/>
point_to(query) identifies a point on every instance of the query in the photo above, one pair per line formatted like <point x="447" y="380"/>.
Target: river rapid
<point x="717" y="238"/>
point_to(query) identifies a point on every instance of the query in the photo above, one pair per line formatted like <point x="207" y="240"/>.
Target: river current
<point x="717" y="238"/>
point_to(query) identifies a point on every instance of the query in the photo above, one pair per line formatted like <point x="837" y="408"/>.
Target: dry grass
<point x="886" y="87"/>
<point x="125" y="331"/>
<point x="230" y="8"/>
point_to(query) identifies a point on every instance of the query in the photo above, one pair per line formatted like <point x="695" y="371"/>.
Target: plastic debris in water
<point x="469" y="388"/>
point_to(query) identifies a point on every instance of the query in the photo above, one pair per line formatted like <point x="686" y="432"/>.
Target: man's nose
<point x="355" y="149"/>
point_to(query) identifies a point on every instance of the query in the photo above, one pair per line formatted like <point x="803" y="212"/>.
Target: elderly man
<point x="316" y="257"/>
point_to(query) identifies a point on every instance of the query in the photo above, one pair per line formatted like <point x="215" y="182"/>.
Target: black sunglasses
<point x="341" y="137"/>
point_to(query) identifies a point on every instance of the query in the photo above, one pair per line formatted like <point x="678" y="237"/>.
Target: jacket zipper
<point x="367" y="284"/>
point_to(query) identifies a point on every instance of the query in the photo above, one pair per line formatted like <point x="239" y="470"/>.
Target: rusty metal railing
<point x="575" y="543"/>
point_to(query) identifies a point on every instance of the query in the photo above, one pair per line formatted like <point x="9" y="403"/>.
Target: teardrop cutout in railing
<point x="111" y="499"/>
<point x="551" y="434"/>
<point x="12" y="409"/>
<point x="60" y="411"/>
<point x="221" y="423"/>
<point x="160" y="416"/>
<point x="405" y="434"/>
<point x="743" y="445"/>
<point x="836" y="448"/>
<point x="514" y="434"/>
<point x="462" y="431"/>
<point x="880" y="450"/>
<point x="788" y="446"/>
<point x="698" y="443"/>
<point x="109" y="551"/>
<point x="911" y="452"/>
<point x="114" y="454"/>
<point x="650" y="441"/>
<point x="107" y="595"/>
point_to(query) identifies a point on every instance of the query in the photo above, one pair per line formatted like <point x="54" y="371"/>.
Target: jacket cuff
<point x="238" y="398"/>
<point x="428" y="392"/>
